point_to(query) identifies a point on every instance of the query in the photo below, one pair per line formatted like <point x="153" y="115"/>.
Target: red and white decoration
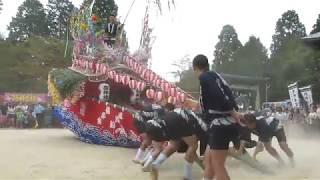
<point x="133" y="84"/>
<point x="172" y="100"/>
<point x="125" y="79"/>
<point x="159" y="96"/>
<point x="141" y="86"/>
<point x="150" y="93"/>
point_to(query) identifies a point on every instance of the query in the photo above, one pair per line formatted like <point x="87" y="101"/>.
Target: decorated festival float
<point x="96" y="97"/>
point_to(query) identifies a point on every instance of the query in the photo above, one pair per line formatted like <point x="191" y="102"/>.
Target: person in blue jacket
<point x="220" y="113"/>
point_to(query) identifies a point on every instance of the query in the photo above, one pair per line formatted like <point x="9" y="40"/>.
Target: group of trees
<point x="33" y="19"/>
<point x="289" y="60"/>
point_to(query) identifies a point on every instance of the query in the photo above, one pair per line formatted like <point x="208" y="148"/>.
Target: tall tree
<point x="287" y="27"/>
<point x="59" y="12"/>
<point x="251" y="59"/>
<point x="30" y="20"/>
<point x="226" y="47"/>
<point x="316" y="27"/>
<point x="105" y="8"/>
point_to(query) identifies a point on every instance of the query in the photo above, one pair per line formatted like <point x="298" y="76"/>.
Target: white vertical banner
<point x="294" y="95"/>
<point x="307" y="94"/>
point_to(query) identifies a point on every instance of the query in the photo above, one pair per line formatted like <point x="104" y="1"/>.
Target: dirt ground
<point x="57" y="154"/>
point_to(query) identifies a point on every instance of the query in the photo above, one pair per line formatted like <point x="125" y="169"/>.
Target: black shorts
<point x="279" y="134"/>
<point x="220" y="136"/>
<point x="177" y="127"/>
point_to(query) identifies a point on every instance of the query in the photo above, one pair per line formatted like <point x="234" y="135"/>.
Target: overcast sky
<point x="193" y="27"/>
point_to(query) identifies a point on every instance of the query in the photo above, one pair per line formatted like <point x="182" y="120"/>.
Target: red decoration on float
<point x="130" y="62"/>
<point x="94" y="18"/>
<point x="158" y="82"/>
<point x="98" y="69"/>
<point x="125" y="79"/>
<point x="133" y="84"/>
<point x="141" y="86"/>
<point x="181" y="97"/>
<point x="103" y="69"/>
<point x="139" y="69"/>
<point x="152" y="76"/>
<point x="167" y="86"/>
<point x="159" y="96"/>
<point x="172" y="92"/>
<point x="117" y="78"/>
<point x="111" y="74"/>
<point x="127" y="60"/>
<point x="90" y="65"/>
<point x="143" y="73"/>
<point x="150" y="93"/>
<point x="172" y="100"/>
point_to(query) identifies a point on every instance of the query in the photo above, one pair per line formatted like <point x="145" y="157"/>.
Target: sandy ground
<point x="57" y="154"/>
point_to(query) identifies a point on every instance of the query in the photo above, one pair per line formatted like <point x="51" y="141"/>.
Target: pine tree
<point x="30" y="20"/>
<point x="287" y="27"/>
<point x="251" y="59"/>
<point x="226" y="48"/>
<point x="105" y="8"/>
<point x="316" y="27"/>
<point x="59" y="12"/>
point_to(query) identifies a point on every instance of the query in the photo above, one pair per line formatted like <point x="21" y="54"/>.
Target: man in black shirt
<point x="139" y="122"/>
<point x="266" y="129"/>
<point x="176" y="126"/>
<point x="220" y="112"/>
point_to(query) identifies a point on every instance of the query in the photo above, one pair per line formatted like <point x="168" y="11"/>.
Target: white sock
<point x="148" y="162"/>
<point x="187" y="170"/>
<point x="161" y="158"/>
<point x="146" y="157"/>
<point x="139" y="155"/>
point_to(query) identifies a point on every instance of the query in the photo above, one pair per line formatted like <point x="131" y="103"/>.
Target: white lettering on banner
<point x="307" y="94"/>
<point x="104" y="89"/>
<point x="294" y="95"/>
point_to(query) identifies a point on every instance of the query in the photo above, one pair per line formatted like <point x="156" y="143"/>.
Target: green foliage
<point x="226" y="48"/>
<point x="316" y="27"/>
<point x="24" y="66"/>
<point x="105" y="8"/>
<point x="189" y="82"/>
<point x="250" y="60"/>
<point x="288" y="66"/>
<point x="30" y="20"/>
<point x="287" y="27"/>
<point x="66" y="81"/>
<point x="59" y="12"/>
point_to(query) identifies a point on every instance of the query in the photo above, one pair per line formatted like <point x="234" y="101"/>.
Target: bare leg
<point x="284" y="146"/>
<point x="218" y="162"/>
<point x="157" y="149"/>
<point x="190" y="156"/>
<point x="208" y="168"/>
<point x="141" y="151"/>
<point x="192" y="143"/>
<point x="258" y="149"/>
<point x="154" y="174"/>
<point x="273" y="152"/>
